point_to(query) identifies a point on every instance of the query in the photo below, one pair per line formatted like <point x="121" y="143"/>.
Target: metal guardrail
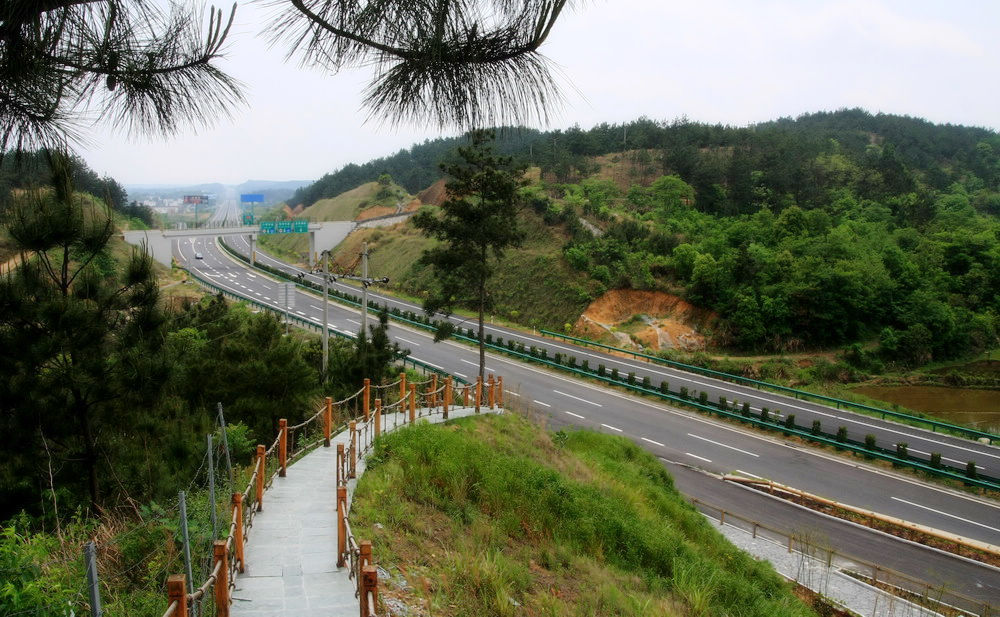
<point x="856" y="447"/>
<point x="934" y="424"/>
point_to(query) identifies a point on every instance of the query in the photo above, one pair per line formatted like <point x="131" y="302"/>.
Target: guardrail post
<point x="177" y="592"/>
<point x="327" y="422"/>
<point x="354" y="450"/>
<point x="282" y="447"/>
<point x="221" y="583"/>
<point x="434" y="387"/>
<point x="340" y="463"/>
<point x="500" y="390"/>
<point x="378" y="417"/>
<point x="238" y="536"/>
<point x="402" y="385"/>
<point x="261" y="469"/>
<point x="365" y="554"/>
<point x="365" y="400"/>
<point x="341" y="527"/>
<point x="447" y="395"/>
<point x="413" y="403"/>
<point x="479" y="391"/>
<point x="493" y="392"/>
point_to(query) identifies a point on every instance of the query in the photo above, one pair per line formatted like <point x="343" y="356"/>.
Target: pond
<point x="972" y="407"/>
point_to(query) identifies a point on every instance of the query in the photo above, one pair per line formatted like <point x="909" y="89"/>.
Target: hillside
<point x="496" y="516"/>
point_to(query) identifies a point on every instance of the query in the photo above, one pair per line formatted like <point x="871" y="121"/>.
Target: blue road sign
<point x="249" y="198"/>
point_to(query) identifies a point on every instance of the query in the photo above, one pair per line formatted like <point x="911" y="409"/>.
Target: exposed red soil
<point x="434" y="194"/>
<point x="674" y="321"/>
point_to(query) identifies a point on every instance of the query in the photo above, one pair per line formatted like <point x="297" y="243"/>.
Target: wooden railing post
<point x="369" y="583"/>
<point x="465" y="396"/>
<point x="434" y="387"/>
<point x="365" y="553"/>
<point x="492" y="392"/>
<point x="327" y="422"/>
<point x="447" y="395"/>
<point x="367" y="398"/>
<point x="340" y="463"/>
<point x="402" y="385"/>
<point x="354" y="450"/>
<point x="378" y="417"/>
<point x="238" y="536"/>
<point x="177" y="592"/>
<point x="479" y="391"/>
<point x="261" y="470"/>
<point x="341" y="526"/>
<point x="221" y="583"/>
<point x="500" y="390"/>
<point x="282" y="447"/>
<point x="413" y="402"/>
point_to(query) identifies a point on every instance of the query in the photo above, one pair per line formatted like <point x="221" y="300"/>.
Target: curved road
<point x="676" y="435"/>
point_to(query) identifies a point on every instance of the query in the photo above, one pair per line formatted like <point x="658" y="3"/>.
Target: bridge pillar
<point x="253" y="250"/>
<point x="313" y="257"/>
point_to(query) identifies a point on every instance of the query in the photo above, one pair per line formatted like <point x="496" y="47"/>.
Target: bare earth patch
<point x="670" y="321"/>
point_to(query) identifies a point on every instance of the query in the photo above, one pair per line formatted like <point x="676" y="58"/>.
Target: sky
<point x="733" y="62"/>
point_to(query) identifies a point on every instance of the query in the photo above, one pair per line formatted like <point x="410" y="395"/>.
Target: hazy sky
<point x="728" y="61"/>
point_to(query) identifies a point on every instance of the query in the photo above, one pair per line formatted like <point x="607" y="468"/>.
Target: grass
<point x="495" y="516"/>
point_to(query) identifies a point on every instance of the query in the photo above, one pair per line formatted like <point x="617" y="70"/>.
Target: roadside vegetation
<point x="497" y="516"/>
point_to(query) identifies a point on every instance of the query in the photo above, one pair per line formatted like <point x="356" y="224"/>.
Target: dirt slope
<point x="664" y="320"/>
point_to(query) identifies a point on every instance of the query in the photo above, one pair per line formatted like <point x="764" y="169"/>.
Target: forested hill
<point x="792" y="160"/>
<point x="22" y="170"/>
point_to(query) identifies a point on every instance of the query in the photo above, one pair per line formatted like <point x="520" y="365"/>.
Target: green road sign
<point x="300" y="227"/>
<point x="267" y="227"/>
<point x="248" y="219"/>
<point x="284" y="227"/>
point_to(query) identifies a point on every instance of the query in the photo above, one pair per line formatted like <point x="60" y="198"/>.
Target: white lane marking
<point x="313" y="319"/>
<point x="747" y="473"/>
<point x="723" y="445"/>
<point x="614" y="428"/>
<point x="700" y="458"/>
<point x="408" y="341"/>
<point x="476" y="364"/>
<point x="462" y="375"/>
<point x="428" y="363"/>
<point x="266" y="298"/>
<point x="512" y="393"/>
<point x="357" y="323"/>
<point x="965" y="520"/>
<point x="945" y="458"/>
<point x="655" y="443"/>
<point x="251" y="275"/>
<point x="541" y="403"/>
<point x="256" y="293"/>
<point x="301" y="313"/>
<point x="577" y="398"/>
<point x="575" y="415"/>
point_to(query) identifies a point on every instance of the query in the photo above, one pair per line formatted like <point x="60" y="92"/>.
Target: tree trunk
<point x="90" y="454"/>
<point x="482" y="337"/>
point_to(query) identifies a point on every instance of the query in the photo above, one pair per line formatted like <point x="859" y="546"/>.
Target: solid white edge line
<point x="541" y="403"/>
<point x="700" y="458"/>
<point x="655" y="443"/>
<point x="614" y="428"/>
<point x="575" y="415"/>
<point x="946" y="514"/>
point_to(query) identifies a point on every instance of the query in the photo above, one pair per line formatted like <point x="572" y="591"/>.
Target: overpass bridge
<point x="158" y="243"/>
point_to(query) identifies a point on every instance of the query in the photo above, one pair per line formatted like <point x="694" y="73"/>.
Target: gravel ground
<point x="830" y="582"/>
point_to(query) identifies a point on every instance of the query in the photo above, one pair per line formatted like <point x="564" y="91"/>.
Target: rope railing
<point x="294" y="440"/>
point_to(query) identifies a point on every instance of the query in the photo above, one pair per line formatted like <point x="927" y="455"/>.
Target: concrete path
<point x="291" y="551"/>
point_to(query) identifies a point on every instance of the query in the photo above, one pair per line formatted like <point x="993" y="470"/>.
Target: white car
<point x="198" y="256"/>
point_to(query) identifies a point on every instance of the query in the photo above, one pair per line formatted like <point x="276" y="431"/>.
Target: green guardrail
<point x="396" y="314"/>
<point x="823" y="438"/>
<point x="934" y="424"/>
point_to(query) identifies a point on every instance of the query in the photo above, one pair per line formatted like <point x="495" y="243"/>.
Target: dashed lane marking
<point x="723" y="445"/>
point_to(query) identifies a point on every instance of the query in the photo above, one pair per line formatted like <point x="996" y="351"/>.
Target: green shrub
<point x="586" y="365"/>
<point x="631" y="379"/>
<point x="665" y="387"/>
<point x="746" y="409"/>
<point x="901" y="450"/>
<point x="723" y="405"/>
<point x="572" y="362"/>
<point x="870" y="441"/>
<point x="842" y="434"/>
<point x="558" y="358"/>
<point x="601" y="370"/>
<point x="790" y="421"/>
<point x="684" y="392"/>
<point x="936" y="460"/>
<point x="817" y="427"/>
<point x="614" y="374"/>
<point x="703" y="398"/>
<point x="765" y="414"/>
<point x="970" y="469"/>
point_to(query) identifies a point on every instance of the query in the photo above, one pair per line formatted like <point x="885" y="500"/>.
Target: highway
<point x="955" y="451"/>
<point x="674" y="435"/>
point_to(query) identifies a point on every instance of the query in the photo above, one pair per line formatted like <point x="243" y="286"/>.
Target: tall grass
<point x="592" y="526"/>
